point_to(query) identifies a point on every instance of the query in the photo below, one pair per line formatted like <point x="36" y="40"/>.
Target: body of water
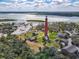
<point x="52" y="17"/>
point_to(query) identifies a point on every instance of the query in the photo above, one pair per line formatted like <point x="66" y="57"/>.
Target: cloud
<point x="56" y="5"/>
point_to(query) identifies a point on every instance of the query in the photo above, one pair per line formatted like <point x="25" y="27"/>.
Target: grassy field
<point x="52" y="37"/>
<point x="39" y="43"/>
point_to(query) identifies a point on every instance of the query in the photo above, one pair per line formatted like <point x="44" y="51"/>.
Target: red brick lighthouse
<point x="46" y="30"/>
<point x="46" y="26"/>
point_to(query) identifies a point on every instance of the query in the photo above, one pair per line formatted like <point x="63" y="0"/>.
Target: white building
<point x="21" y="30"/>
<point x="4" y="35"/>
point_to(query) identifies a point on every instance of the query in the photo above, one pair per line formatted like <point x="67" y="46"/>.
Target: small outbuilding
<point x="71" y="51"/>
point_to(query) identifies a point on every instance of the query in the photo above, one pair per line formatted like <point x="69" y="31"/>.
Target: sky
<point x="39" y="5"/>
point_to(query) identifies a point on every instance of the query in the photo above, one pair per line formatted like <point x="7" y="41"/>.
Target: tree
<point x="14" y="49"/>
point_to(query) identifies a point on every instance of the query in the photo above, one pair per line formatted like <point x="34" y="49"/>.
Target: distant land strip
<point x="7" y="20"/>
<point x="45" y="13"/>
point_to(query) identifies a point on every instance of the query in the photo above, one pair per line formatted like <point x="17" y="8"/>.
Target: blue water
<point x="52" y="16"/>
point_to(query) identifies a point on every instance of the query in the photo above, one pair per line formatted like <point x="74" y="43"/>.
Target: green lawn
<point x="52" y="37"/>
